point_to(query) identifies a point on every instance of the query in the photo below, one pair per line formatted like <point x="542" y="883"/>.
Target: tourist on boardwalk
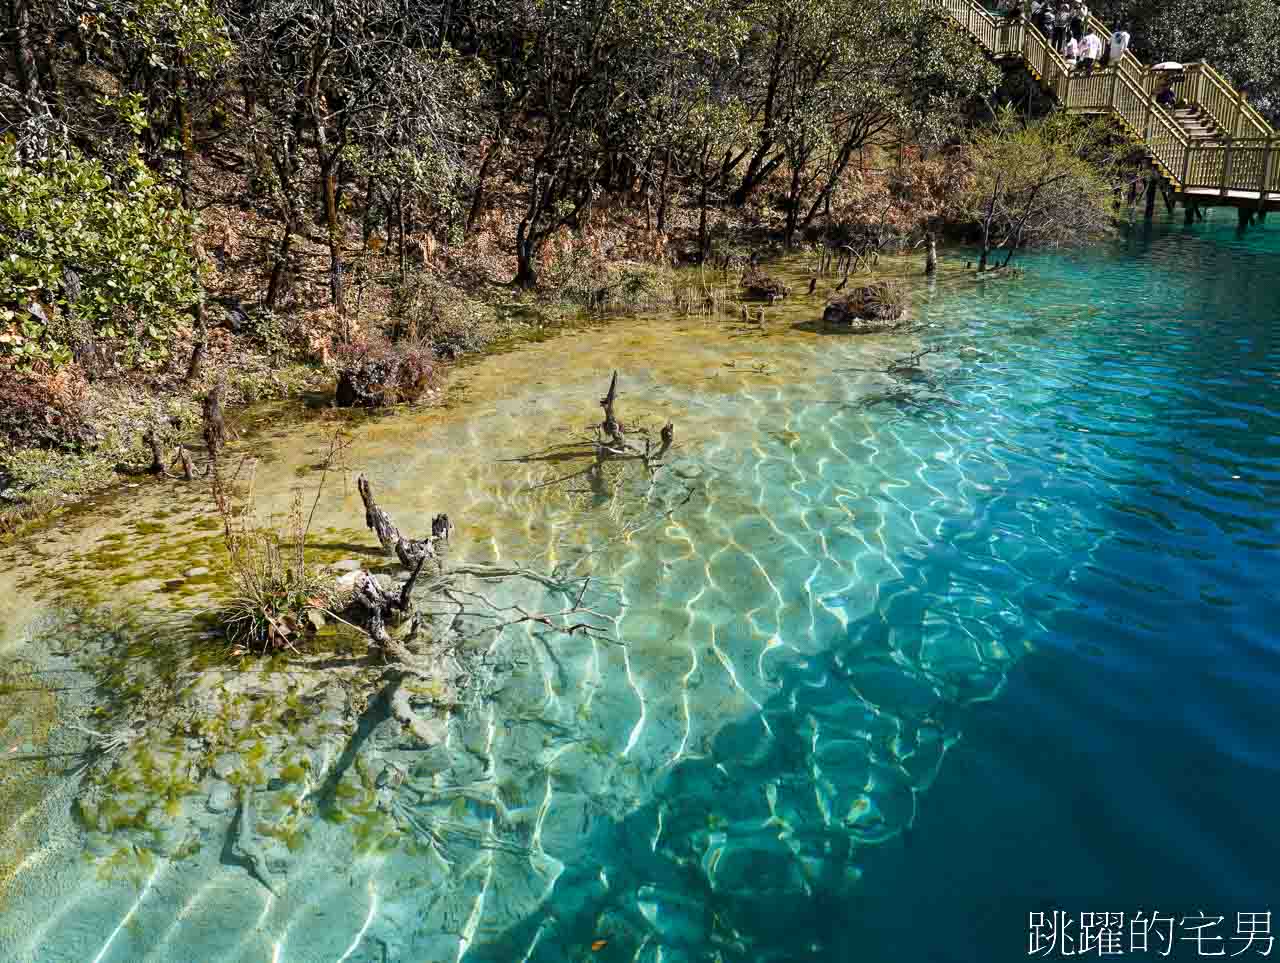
<point x="1071" y="52"/>
<point x="1090" y="51"/>
<point x="1047" y="19"/>
<point x="1119" y="44"/>
<point x="1062" y="27"/>
<point x="1079" y="17"/>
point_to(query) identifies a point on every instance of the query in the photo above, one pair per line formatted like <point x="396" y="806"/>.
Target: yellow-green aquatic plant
<point x="275" y="589"/>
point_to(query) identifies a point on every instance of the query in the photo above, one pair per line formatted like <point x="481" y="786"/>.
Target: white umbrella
<point x="1168" y="65"/>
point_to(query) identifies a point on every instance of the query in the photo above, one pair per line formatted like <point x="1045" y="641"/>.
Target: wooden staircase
<point x="1199" y="127"/>
<point x="1213" y="148"/>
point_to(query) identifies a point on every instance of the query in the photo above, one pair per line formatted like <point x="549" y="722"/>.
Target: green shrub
<point x="92" y="258"/>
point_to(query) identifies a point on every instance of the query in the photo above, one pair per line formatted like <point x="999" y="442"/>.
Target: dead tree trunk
<point x="410" y="551"/>
<point x="183" y="458"/>
<point x="215" y="429"/>
<point x="384" y="606"/>
<point x="930" y="254"/>
<point x="667" y="435"/>
<point x="157" y="454"/>
<point x="611" y="427"/>
<point x="201" y="345"/>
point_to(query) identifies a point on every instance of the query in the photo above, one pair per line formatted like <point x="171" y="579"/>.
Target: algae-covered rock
<point x="878" y="306"/>
<point x="763" y="287"/>
<point x="383" y="375"/>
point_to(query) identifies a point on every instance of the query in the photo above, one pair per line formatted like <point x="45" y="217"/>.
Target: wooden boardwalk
<point x="1227" y="155"/>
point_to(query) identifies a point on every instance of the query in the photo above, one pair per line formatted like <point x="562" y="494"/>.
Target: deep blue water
<point x="1106" y="491"/>
<point x="1133" y="762"/>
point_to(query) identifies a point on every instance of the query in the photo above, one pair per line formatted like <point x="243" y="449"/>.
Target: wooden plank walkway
<point x="1239" y="167"/>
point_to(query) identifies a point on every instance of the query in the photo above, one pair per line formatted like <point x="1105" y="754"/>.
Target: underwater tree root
<point x="246" y="847"/>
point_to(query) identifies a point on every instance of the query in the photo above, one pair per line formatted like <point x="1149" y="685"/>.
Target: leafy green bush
<point x="90" y="256"/>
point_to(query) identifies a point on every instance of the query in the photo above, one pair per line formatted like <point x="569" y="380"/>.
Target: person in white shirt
<point x="1119" y="44"/>
<point x="1090" y="50"/>
<point x="1071" y="52"/>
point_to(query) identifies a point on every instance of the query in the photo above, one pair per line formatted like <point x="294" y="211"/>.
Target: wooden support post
<point x="1190" y="212"/>
<point x="1151" y="198"/>
<point x="1268" y="158"/>
<point x="1244" y="216"/>
<point x="1226" y="169"/>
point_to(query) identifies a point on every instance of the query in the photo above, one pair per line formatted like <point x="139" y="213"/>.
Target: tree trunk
<point x="201" y="346"/>
<point x="330" y="184"/>
<point x="370" y="198"/>
<point x="704" y="242"/>
<point x="527" y="244"/>
<point x="793" y="204"/>
<point x="477" y="199"/>
<point x="662" y="192"/>
<point x="279" y="270"/>
<point x="400" y="224"/>
<point x="986" y="226"/>
<point x="526" y="271"/>
<point x="24" y="58"/>
<point x="188" y="151"/>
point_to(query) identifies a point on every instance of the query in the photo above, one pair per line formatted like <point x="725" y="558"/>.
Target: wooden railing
<point x="1244" y="157"/>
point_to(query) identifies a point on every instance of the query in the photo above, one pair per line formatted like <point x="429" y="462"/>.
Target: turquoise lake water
<point x="908" y="658"/>
<point x="1098" y="479"/>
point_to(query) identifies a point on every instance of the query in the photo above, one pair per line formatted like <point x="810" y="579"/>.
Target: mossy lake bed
<point x="236" y="787"/>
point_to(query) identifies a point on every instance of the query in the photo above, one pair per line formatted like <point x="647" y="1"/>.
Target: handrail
<point x="1248" y="161"/>
<point x="1238" y="117"/>
<point x="1228" y="106"/>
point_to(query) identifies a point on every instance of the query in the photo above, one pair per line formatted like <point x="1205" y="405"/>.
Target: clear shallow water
<point x="908" y="658"/>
